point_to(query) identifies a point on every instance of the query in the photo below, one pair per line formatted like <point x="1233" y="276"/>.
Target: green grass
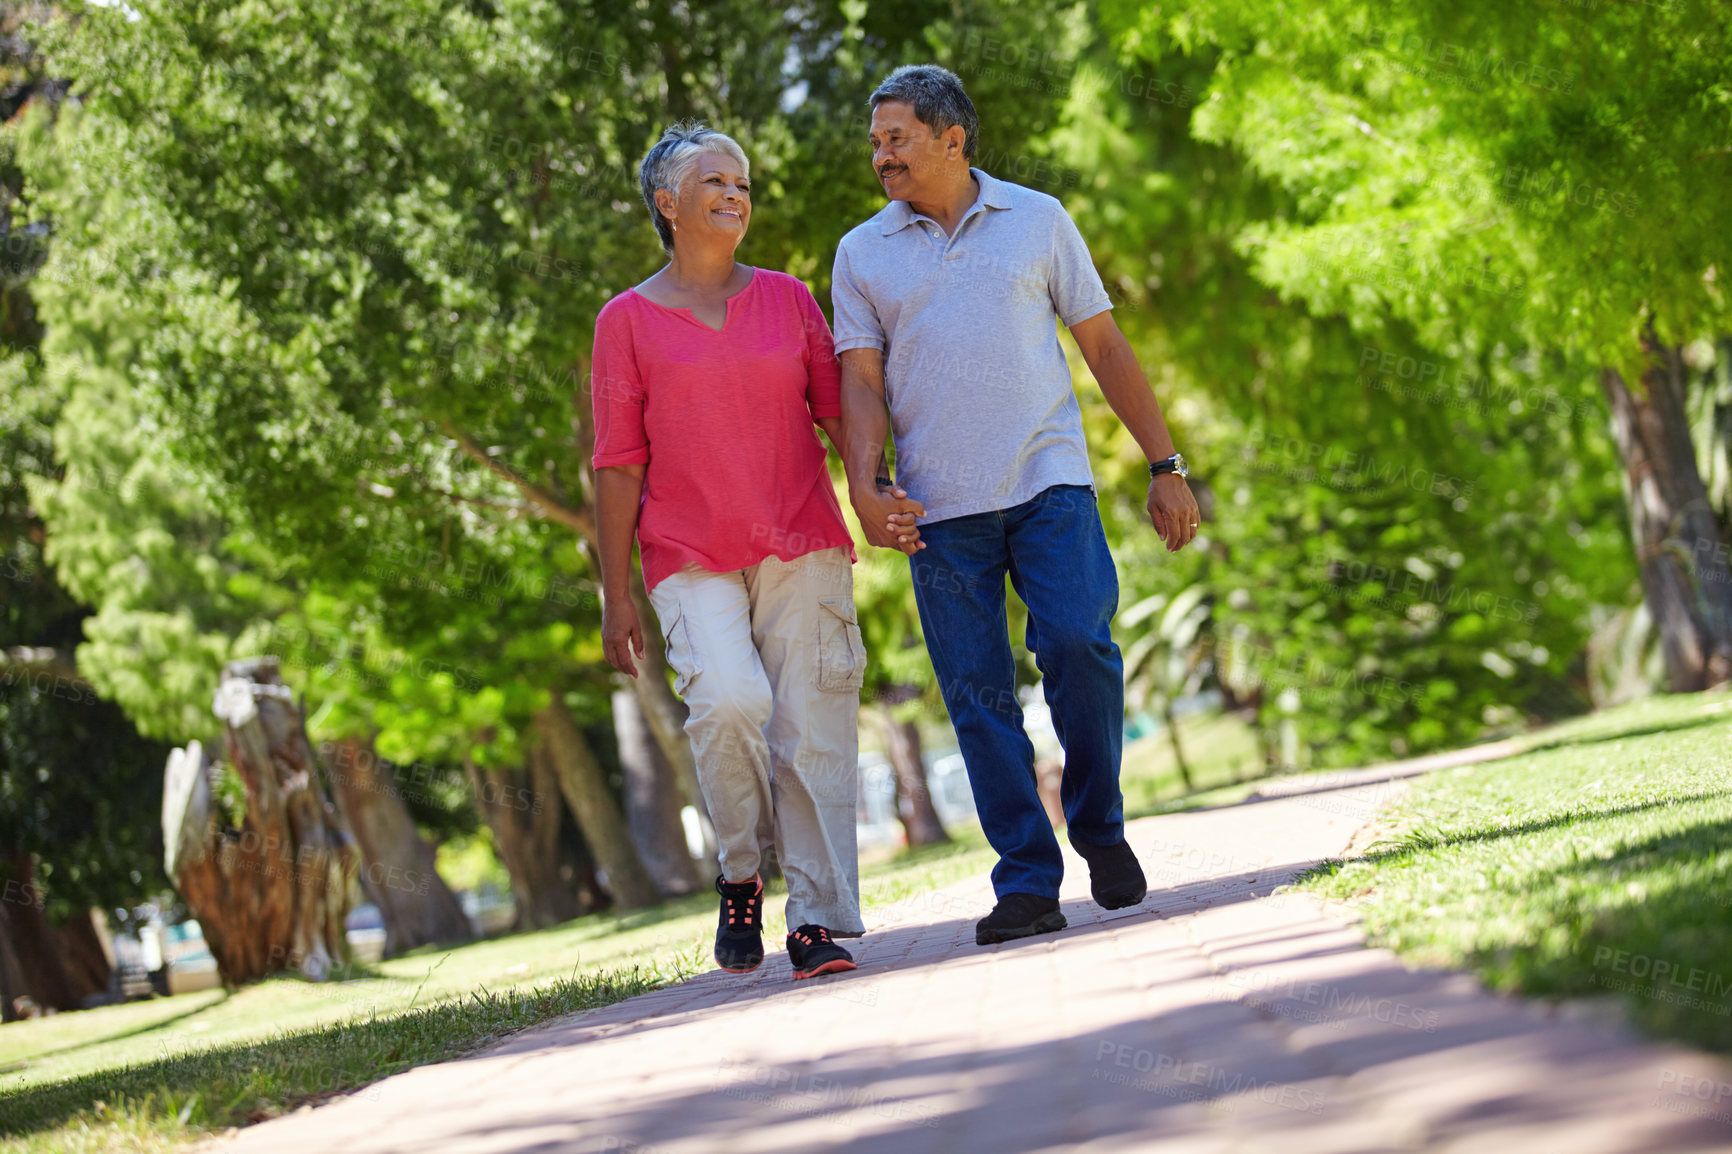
<point x="154" y="1075"/>
<point x="1593" y="866"/>
<point x="1221" y="750"/>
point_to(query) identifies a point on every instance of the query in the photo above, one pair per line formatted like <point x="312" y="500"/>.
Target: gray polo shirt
<point x="980" y="395"/>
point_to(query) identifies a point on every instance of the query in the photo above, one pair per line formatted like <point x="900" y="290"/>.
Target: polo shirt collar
<point x="992" y="195"/>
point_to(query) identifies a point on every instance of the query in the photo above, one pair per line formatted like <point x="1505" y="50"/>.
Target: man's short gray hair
<point x="670" y="161"/>
<point x="938" y="98"/>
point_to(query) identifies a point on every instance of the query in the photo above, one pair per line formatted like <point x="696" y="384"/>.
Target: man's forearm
<point x="865" y="422"/>
<point x="1132" y="399"/>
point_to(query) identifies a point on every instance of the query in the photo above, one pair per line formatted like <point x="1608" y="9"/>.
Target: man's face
<point x="908" y="159"/>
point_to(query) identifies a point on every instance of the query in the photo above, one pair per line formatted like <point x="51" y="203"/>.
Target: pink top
<point x="725" y="422"/>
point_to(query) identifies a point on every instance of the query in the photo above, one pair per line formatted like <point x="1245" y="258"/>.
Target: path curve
<point x="1217" y="1016"/>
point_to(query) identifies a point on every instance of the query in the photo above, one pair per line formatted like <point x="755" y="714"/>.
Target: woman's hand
<point x="621" y="634"/>
<point x="887" y="518"/>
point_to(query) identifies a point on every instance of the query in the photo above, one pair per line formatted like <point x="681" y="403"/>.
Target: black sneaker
<point x="1115" y="877"/>
<point x="1019" y="916"/>
<point x="740" y="934"/>
<point x="811" y="952"/>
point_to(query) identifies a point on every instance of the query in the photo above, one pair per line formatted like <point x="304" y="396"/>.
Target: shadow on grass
<point x="1329" y="779"/>
<point x="1658" y="934"/>
<point x="106" y="1039"/>
<point x="1423" y="839"/>
<point x="243" y="1083"/>
<point x="1650" y="730"/>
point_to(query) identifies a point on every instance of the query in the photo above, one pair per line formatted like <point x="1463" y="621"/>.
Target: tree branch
<point x="546" y="505"/>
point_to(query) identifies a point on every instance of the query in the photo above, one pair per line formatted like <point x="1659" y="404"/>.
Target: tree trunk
<point x="652" y="801"/>
<point x="1686" y="581"/>
<point x="920" y="820"/>
<point x="598" y="815"/>
<point x="273" y="894"/>
<point x="1178" y="751"/>
<point x="665" y="714"/>
<point x="86" y="962"/>
<point x="545" y="883"/>
<point x="42" y="974"/>
<point x="11" y="970"/>
<point x="397" y="866"/>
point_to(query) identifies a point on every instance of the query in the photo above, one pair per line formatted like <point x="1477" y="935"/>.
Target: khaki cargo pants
<point x="769" y="660"/>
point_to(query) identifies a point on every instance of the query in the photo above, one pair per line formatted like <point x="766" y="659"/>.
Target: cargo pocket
<point x="682" y="658"/>
<point x="841" y="649"/>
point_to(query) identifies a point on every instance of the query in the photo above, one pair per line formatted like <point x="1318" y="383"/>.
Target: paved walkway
<point x="1214" y="1017"/>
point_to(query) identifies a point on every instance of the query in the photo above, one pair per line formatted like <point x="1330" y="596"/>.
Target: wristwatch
<point x="1172" y="464"/>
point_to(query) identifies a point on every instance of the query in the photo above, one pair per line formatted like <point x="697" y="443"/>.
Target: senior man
<point x="945" y="306"/>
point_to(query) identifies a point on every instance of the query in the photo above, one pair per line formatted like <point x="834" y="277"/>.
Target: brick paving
<point x="1218" y="1016"/>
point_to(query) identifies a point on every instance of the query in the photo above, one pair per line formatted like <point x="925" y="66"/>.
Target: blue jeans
<point x="1056" y="555"/>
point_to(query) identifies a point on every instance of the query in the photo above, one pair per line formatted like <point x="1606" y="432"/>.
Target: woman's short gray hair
<point x="670" y="161"/>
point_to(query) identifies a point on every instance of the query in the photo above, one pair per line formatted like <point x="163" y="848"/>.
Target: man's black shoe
<point x="740" y="936"/>
<point x="1018" y="916"/>
<point x="811" y="952"/>
<point x="1115" y="877"/>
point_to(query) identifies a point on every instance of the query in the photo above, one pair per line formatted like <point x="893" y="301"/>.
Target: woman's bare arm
<point x="618" y="493"/>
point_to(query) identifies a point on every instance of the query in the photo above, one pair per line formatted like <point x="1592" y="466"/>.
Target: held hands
<point x="621" y="634"/>
<point x="887" y="518"/>
<point x="1173" y="510"/>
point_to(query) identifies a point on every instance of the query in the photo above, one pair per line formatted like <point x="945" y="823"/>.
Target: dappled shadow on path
<point x="1217" y="1015"/>
<point x="1215" y="1068"/>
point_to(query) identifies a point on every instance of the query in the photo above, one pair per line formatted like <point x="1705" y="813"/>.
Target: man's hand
<point x="1173" y="510"/>
<point x="887" y="518"/>
<point x="621" y="634"/>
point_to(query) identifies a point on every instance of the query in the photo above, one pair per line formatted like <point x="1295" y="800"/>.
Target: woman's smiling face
<point x="715" y="199"/>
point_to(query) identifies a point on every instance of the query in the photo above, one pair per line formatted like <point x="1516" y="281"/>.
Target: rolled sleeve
<point x="857" y="323"/>
<point x="617" y="396"/>
<point x="823" y="374"/>
<point x="1076" y="288"/>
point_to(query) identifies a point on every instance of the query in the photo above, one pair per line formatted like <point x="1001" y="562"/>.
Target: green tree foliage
<point x="1411" y="537"/>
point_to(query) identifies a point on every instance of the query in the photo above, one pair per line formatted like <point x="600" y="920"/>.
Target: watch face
<point x="1179" y="465"/>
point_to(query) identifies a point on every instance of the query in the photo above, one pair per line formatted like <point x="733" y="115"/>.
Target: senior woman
<point x="707" y="380"/>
